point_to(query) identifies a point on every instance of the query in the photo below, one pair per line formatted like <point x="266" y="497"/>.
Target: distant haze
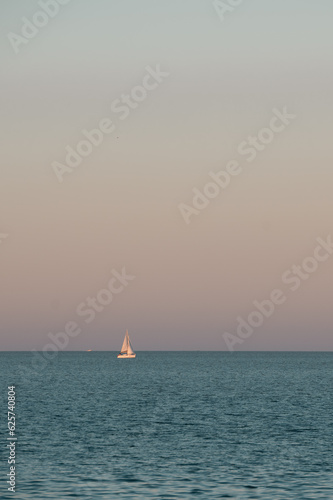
<point x="119" y="208"/>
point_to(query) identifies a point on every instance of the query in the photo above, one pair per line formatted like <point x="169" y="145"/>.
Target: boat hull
<point x="126" y="356"/>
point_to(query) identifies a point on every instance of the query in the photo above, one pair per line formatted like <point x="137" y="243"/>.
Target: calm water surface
<point x="172" y="425"/>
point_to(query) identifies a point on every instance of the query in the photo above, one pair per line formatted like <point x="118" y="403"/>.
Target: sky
<point x="65" y="231"/>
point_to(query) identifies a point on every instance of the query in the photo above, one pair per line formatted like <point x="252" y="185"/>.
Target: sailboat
<point x="126" y="349"/>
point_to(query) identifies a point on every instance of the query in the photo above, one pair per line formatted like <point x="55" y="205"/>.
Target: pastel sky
<point x="120" y="206"/>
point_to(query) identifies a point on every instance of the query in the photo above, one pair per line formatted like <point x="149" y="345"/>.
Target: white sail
<point x="124" y="347"/>
<point x="129" y="349"/>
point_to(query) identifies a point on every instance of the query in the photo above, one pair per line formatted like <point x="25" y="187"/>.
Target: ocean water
<point x="171" y="425"/>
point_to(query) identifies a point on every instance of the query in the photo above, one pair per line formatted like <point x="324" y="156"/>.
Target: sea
<point x="170" y="425"/>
